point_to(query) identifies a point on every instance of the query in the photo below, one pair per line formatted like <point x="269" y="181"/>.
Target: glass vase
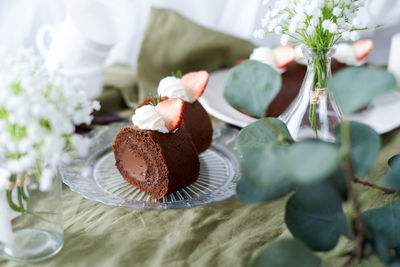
<point x="314" y="113"/>
<point x="35" y="219"/>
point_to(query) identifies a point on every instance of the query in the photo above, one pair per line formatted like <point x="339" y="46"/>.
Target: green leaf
<point x="262" y="166"/>
<point x="365" y="145"/>
<point x="338" y="181"/>
<point x="392" y="178"/>
<point x="385" y="221"/>
<point x="251" y="87"/>
<point x="263" y="131"/>
<point x="312" y="215"/>
<point x="284" y="253"/>
<point x="356" y="87"/>
<point x="340" y="222"/>
<point x="310" y="161"/>
<point x="393" y="159"/>
<point x="377" y="243"/>
<point x="248" y="193"/>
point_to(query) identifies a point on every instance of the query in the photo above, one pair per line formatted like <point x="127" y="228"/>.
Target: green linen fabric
<point x="171" y="42"/>
<point x="227" y="233"/>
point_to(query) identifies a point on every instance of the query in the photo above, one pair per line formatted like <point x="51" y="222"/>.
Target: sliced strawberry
<point x="363" y="48"/>
<point x="284" y="55"/>
<point x="238" y="62"/>
<point x="171" y="111"/>
<point x="195" y="83"/>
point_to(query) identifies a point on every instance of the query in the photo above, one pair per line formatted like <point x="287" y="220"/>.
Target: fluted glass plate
<point x="219" y="173"/>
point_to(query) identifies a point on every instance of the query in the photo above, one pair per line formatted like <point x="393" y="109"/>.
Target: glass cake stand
<point x="219" y="172"/>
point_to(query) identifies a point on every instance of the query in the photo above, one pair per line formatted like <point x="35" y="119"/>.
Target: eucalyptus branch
<point x="385" y="190"/>
<point x="359" y="224"/>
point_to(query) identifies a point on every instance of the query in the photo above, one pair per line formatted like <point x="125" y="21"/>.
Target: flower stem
<point x="319" y="59"/>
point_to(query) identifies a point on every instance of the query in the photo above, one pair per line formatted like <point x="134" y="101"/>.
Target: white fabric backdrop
<point x="20" y="19"/>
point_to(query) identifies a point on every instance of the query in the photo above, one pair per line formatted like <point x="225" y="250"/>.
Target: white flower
<point x="333" y="28"/>
<point x="297" y="18"/>
<point x="346" y="35"/>
<point x="354" y="36"/>
<point x="38" y="114"/>
<point x="278" y="30"/>
<point x="326" y="24"/>
<point x="81" y="144"/>
<point x="259" y="34"/>
<point x="284" y="39"/>
<point x="4" y="175"/>
<point x="337" y="11"/>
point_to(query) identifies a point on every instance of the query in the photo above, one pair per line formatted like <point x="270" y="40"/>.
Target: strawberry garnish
<point x="195" y="83"/>
<point x="284" y="55"/>
<point x="238" y="62"/>
<point x="171" y="112"/>
<point x="363" y="48"/>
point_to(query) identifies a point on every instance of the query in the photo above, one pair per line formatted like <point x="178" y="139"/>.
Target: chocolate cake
<point x="154" y="162"/>
<point x="292" y="80"/>
<point x="197" y="123"/>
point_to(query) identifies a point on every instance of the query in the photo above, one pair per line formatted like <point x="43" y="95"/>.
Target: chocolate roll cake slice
<point x="157" y="154"/>
<point x="157" y="163"/>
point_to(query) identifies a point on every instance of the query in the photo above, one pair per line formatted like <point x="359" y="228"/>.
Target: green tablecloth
<point x="226" y="233"/>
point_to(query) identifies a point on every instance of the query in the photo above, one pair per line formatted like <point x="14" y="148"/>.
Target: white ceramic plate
<point x="383" y="114"/>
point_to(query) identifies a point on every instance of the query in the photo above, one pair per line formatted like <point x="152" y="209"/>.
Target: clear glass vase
<point x="314" y="113"/>
<point x="35" y="220"/>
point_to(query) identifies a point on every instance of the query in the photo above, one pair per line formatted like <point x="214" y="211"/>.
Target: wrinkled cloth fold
<point x="171" y="42"/>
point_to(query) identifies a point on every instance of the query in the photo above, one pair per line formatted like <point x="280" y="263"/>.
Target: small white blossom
<point x="259" y="34"/>
<point x="354" y="36"/>
<point x="300" y="19"/>
<point x="38" y="114"/>
<point x="337" y="11"/>
<point x="333" y="28"/>
<point x="284" y="39"/>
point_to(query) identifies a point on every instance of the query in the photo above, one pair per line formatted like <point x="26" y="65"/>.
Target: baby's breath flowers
<point x="38" y="114"/>
<point x="316" y="23"/>
<point x="319" y="25"/>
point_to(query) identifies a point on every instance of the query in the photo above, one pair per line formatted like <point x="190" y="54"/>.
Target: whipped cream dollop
<point x="172" y="87"/>
<point x="147" y="118"/>
<point x="346" y="54"/>
<point x="264" y="55"/>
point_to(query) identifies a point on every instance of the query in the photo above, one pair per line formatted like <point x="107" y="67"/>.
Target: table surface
<point x="226" y="233"/>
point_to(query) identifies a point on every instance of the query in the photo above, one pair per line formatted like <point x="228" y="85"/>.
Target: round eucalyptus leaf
<point x="251" y="87"/>
<point x="385" y="222"/>
<point x="356" y="87"/>
<point x="312" y="215"/>
<point x="310" y="161"/>
<point x="392" y="178"/>
<point x="248" y="193"/>
<point x="263" y="166"/>
<point x="286" y="252"/>
<point x="263" y="131"/>
<point x="393" y="159"/>
<point x="365" y="145"/>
